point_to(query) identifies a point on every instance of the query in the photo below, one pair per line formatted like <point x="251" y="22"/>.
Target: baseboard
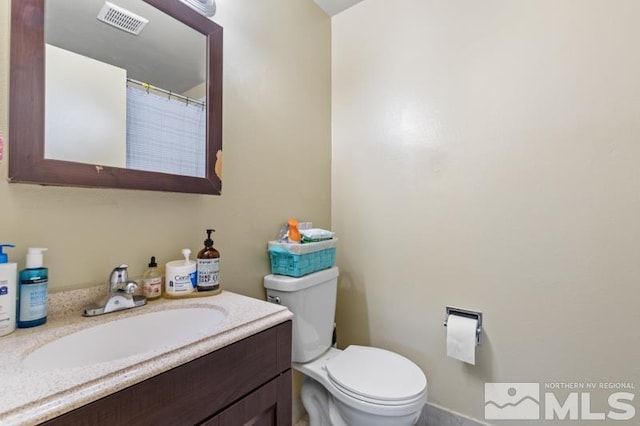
<point x="434" y="415"/>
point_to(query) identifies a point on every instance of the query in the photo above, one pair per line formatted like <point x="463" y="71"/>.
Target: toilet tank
<point x="312" y="300"/>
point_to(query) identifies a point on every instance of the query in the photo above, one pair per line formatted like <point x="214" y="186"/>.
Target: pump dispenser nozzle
<point x="3" y="256"/>
<point x="209" y="242"/>
<point x="186" y="252"/>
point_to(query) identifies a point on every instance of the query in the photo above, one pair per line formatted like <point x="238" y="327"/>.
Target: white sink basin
<point x="151" y="334"/>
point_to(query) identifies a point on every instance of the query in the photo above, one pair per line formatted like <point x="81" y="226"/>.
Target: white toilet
<point x="359" y="386"/>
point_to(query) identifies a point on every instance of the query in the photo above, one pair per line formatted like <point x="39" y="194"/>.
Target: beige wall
<point x="276" y="102"/>
<point x="486" y="155"/>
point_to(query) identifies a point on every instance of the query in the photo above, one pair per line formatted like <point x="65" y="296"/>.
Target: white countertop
<point x="30" y="397"/>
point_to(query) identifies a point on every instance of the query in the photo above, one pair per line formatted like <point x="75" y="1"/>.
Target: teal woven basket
<point x="283" y="262"/>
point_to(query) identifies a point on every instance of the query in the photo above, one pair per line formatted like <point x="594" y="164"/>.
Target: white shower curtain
<point x="165" y="135"/>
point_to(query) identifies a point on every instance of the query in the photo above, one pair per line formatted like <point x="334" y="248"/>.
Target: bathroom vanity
<point x="236" y="373"/>
<point x="245" y="383"/>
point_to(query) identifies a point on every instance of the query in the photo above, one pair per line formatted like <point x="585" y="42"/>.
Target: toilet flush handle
<point x="273" y="299"/>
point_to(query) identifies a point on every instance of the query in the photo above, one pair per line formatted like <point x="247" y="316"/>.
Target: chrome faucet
<point x="119" y="294"/>
<point x="119" y="281"/>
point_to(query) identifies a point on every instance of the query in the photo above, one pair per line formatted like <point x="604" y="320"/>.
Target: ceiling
<point x="167" y="53"/>
<point x="332" y="7"/>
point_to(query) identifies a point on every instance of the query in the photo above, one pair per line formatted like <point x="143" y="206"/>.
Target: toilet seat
<point x="374" y="401"/>
<point x="376" y="376"/>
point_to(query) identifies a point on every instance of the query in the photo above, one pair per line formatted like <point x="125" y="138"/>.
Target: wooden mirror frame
<point x="26" y="111"/>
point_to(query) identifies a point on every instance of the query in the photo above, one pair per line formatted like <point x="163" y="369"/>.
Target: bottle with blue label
<point x="180" y="276"/>
<point x="33" y="291"/>
<point x="8" y="273"/>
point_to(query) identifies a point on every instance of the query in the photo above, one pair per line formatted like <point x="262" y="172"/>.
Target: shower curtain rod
<point x="148" y="87"/>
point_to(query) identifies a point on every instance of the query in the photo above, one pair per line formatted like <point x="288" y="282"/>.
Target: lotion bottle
<point x="33" y="291"/>
<point x="209" y="266"/>
<point x="180" y="276"/>
<point x="8" y="295"/>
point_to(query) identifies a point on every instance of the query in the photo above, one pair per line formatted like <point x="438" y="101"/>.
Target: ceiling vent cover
<point x="203" y="7"/>
<point x="122" y="18"/>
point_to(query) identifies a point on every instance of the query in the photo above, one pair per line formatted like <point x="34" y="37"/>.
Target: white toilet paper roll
<point x="461" y="338"/>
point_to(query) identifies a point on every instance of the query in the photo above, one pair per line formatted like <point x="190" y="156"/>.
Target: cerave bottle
<point x="180" y="276"/>
<point x="8" y="295"/>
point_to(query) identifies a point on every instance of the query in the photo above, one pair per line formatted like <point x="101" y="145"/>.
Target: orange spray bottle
<point x="294" y="233"/>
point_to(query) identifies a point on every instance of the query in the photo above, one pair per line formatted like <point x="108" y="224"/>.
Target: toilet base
<point x="325" y="410"/>
<point x="319" y="406"/>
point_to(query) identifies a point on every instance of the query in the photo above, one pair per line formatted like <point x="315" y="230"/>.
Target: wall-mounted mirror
<point x="119" y="93"/>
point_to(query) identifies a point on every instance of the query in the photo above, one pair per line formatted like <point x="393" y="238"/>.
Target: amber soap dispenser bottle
<point x="208" y="266"/>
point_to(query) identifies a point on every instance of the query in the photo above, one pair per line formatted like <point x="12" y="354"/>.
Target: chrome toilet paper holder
<point x="468" y="314"/>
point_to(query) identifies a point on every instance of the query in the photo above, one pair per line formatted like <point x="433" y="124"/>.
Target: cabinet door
<point x="269" y="405"/>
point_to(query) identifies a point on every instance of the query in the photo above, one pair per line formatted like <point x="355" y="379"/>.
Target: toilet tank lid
<point x="285" y="283"/>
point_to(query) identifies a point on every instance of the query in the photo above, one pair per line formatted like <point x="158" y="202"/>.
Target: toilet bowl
<point x="363" y="386"/>
<point x="357" y="386"/>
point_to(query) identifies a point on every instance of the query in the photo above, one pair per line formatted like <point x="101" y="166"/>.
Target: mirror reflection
<point x="125" y="86"/>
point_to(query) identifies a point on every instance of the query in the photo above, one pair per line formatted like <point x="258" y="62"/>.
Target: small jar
<point x="152" y="281"/>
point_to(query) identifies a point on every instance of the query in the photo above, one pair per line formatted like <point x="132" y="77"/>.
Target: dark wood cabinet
<point x="245" y="383"/>
<point x="262" y="407"/>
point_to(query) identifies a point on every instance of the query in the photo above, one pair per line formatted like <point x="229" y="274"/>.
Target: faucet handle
<point x="130" y="287"/>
